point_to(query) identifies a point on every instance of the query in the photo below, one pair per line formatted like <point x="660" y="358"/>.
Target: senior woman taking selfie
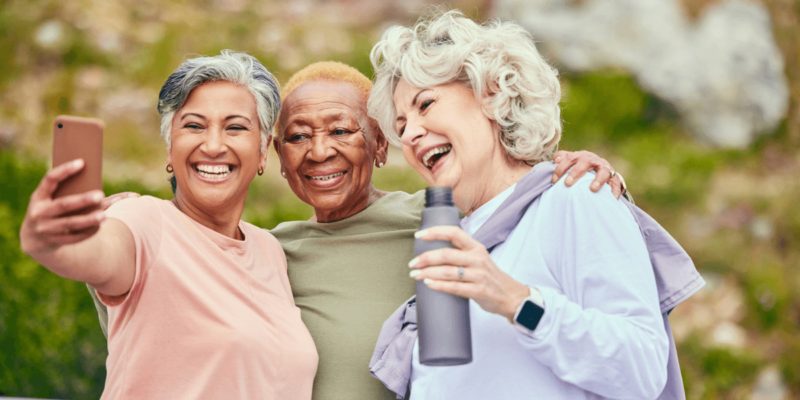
<point x="199" y="302"/>
<point x="566" y="305"/>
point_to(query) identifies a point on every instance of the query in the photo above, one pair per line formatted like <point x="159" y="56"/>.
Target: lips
<point x="326" y="177"/>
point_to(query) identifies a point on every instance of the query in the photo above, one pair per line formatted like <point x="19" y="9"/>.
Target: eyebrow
<point x="305" y="120"/>
<point x="413" y="103"/>
<point x="195" y="114"/>
<point x="226" y="118"/>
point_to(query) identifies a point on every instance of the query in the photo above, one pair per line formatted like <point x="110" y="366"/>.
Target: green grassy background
<point x="733" y="210"/>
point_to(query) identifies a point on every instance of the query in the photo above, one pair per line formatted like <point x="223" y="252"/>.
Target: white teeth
<point x="213" y="171"/>
<point x="436" y="150"/>
<point x="326" y="177"/>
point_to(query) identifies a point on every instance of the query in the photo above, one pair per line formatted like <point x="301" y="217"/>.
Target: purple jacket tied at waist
<point x="677" y="279"/>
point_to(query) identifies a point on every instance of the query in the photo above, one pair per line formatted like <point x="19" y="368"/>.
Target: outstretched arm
<point x="88" y="247"/>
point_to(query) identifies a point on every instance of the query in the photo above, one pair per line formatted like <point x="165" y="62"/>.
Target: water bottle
<point x="442" y="318"/>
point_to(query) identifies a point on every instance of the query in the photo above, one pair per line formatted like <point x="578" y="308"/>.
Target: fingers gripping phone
<point x="74" y="138"/>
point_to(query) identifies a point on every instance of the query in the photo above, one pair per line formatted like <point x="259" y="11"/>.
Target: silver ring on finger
<point x="461" y="273"/>
<point x="611" y="170"/>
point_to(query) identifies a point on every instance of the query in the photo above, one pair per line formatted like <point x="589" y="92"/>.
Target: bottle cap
<point x="439" y="196"/>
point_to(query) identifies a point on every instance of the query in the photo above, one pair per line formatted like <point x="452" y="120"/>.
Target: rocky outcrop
<point x="723" y="72"/>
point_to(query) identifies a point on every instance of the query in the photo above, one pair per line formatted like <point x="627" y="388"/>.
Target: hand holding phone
<point x="65" y="207"/>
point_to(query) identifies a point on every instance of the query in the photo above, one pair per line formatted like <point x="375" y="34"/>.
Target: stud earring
<point x="169" y="169"/>
<point x="380" y="165"/>
<point x="283" y="174"/>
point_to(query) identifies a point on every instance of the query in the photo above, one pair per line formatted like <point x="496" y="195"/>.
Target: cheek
<point x="411" y="159"/>
<point x="179" y="153"/>
<point x="291" y="158"/>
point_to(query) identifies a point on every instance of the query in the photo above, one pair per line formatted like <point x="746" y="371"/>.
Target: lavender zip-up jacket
<point x="677" y="279"/>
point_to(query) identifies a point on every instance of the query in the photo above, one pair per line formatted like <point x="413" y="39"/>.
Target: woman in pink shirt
<point x="199" y="301"/>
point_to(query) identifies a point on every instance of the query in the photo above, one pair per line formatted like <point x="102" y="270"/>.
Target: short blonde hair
<point x="498" y="60"/>
<point x="326" y="70"/>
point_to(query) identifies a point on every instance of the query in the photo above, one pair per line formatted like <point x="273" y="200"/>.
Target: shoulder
<point x="401" y="203"/>
<point x="139" y="204"/>
<point x="262" y="236"/>
<point x="395" y="211"/>
<point x="408" y="201"/>
<point x="139" y="210"/>
<point x="264" y="243"/>
<point x="587" y="211"/>
<point x="579" y="195"/>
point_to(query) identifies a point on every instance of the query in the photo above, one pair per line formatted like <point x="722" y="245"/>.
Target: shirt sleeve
<point x="143" y="218"/>
<point x="602" y="330"/>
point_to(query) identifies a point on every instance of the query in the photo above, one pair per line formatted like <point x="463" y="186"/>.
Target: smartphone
<point x="75" y="137"/>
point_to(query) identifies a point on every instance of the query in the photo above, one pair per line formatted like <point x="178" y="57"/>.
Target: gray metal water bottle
<point x="442" y="319"/>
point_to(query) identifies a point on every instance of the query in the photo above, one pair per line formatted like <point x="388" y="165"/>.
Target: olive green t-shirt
<point x="348" y="277"/>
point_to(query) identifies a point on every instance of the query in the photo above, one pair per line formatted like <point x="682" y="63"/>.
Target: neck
<point x="223" y="220"/>
<point x="499" y="179"/>
<point x="352" y="208"/>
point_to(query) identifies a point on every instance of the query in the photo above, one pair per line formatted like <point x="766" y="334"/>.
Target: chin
<point x="325" y="204"/>
<point x="215" y="199"/>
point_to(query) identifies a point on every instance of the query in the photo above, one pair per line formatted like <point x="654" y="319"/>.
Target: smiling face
<point x="449" y="140"/>
<point x="327" y="151"/>
<point x="215" y="148"/>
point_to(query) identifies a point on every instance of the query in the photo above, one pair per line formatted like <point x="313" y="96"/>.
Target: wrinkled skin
<point x="326" y="132"/>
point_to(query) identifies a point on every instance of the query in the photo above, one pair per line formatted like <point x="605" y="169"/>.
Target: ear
<point x="169" y="155"/>
<point x="382" y="149"/>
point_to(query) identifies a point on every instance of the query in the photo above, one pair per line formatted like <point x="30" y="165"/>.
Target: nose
<point x="214" y="145"/>
<point x="413" y="133"/>
<point x="321" y="149"/>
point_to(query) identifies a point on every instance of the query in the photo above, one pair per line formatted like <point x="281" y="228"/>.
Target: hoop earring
<point x="169" y="169"/>
<point x="260" y="172"/>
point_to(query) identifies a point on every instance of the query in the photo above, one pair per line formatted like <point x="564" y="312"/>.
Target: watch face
<point x="530" y="315"/>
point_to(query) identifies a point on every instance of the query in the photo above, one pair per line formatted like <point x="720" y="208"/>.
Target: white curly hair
<point x="498" y="60"/>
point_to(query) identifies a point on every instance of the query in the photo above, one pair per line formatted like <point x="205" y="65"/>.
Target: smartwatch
<point x="531" y="310"/>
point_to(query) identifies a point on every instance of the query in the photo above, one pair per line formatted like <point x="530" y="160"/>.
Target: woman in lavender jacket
<point x="475" y="108"/>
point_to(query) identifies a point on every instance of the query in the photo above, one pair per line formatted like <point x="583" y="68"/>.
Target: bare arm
<point x="88" y="247"/>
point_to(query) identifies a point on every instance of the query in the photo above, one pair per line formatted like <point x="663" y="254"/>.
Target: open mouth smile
<point x="214" y="171"/>
<point x="433" y="155"/>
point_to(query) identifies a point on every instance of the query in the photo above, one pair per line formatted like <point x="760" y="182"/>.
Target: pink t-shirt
<point x="207" y="317"/>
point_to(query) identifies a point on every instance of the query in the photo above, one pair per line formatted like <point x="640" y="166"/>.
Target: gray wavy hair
<point x="239" y="68"/>
<point x="498" y="60"/>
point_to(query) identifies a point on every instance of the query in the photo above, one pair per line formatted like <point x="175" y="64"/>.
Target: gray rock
<point x="724" y="72"/>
